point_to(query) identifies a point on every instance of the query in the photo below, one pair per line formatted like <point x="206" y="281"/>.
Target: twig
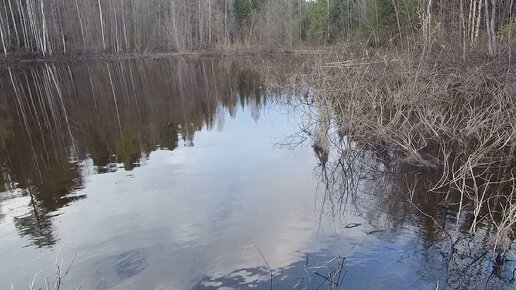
<point x="263" y="257"/>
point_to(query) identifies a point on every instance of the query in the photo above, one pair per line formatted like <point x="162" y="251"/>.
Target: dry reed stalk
<point x="459" y="119"/>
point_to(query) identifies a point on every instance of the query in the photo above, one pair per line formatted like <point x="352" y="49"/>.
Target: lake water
<point x="188" y="173"/>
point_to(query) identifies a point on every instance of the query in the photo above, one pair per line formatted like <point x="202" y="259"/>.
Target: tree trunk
<point x="478" y="20"/>
<point x="226" y="35"/>
<point x="6" y="19"/>
<point x="13" y="19"/>
<point x="21" y="14"/>
<point x="200" y="24"/>
<point x="81" y="25"/>
<point x="328" y="19"/>
<point x="47" y="48"/>
<point x="3" y="39"/>
<point x="490" y="14"/>
<point x="102" y="25"/>
<point x="492" y="26"/>
<point x="209" y="22"/>
<point x="124" y="27"/>
<point x="463" y="30"/>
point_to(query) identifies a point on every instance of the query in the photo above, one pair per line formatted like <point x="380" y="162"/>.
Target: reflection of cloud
<point x="199" y="211"/>
<point x="248" y="209"/>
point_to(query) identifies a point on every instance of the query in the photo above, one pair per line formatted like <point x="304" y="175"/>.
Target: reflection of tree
<point x="156" y="103"/>
<point x="116" y="113"/>
<point x="38" y="227"/>
<point x="249" y="92"/>
<point x="48" y="179"/>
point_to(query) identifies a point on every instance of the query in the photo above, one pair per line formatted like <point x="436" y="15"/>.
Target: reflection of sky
<point x="198" y="213"/>
<point x="193" y="212"/>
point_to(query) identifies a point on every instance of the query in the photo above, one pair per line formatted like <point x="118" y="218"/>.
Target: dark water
<point x="190" y="174"/>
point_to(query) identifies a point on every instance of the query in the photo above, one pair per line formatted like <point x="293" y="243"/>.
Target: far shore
<point x="25" y="58"/>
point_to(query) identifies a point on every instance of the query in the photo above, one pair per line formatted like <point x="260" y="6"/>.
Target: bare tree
<point x="102" y="25"/>
<point x="3" y="39"/>
<point x="490" y="16"/>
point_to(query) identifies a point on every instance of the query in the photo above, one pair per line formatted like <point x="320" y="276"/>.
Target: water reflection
<point x="54" y="118"/>
<point x="115" y="269"/>
<point x="202" y="203"/>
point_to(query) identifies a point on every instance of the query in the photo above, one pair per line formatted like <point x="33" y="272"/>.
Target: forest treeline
<point x="53" y="27"/>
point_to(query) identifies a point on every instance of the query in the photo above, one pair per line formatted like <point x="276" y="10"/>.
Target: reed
<point x="433" y="111"/>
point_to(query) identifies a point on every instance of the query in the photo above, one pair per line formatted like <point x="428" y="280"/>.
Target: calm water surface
<point x="190" y="174"/>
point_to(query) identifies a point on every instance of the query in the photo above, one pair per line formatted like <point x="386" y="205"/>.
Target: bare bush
<point x="457" y="118"/>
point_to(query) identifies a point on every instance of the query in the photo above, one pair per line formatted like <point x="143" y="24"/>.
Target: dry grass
<point x="457" y="117"/>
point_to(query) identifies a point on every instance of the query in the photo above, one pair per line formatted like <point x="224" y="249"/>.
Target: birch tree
<point x="490" y="16"/>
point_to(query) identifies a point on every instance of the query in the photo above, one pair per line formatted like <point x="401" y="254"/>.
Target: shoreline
<point x="28" y="59"/>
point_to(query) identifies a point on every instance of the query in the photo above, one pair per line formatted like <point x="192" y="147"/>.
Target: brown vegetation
<point x="432" y="111"/>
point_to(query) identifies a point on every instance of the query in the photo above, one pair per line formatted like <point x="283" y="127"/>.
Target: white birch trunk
<point x="21" y="12"/>
<point x="102" y="25"/>
<point x="46" y="44"/>
<point x="3" y="39"/>
<point x="478" y="20"/>
<point x="81" y="25"/>
<point x="490" y="14"/>
<point x="492" y="26"/>
<point x="14" y="24"/>
<point x="464" y="33"/>
<point x="209" y="21"/>
<point x="124" y="28"/>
